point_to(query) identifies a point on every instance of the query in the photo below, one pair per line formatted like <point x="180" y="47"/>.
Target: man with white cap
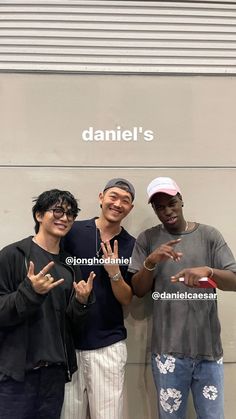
<point x="174" y="259"/>
<point x="98" y="385"/>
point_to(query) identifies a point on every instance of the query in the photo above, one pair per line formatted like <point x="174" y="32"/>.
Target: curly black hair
<point x="49" y="198"/>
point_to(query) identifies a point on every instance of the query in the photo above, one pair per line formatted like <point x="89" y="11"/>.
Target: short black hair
<point x="52" y="197"/>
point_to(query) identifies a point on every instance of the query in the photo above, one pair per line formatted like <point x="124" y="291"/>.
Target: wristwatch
<point x="116" y="277"/>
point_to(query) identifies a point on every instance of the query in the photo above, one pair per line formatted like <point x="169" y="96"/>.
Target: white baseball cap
<point x="164" y="185"/>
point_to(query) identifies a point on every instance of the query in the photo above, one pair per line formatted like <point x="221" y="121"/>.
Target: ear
<point x="131" y="207"/>
<point x="101" y="195"/>
<point x="39" y="216"/>
<point x="154" y="208"/>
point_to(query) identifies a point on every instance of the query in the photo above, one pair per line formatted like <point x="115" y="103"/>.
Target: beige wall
<point x="42" y="118"/>
<point x="193" y="119"/>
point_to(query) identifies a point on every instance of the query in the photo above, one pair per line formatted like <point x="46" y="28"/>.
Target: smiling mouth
<point x="171" y="220"/>
<point x="115" y="210"/>
<point x="61" y="226"/>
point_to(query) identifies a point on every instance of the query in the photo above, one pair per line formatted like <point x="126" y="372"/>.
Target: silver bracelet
<point x="116" y="277"/>
<point x="149" y="269"/>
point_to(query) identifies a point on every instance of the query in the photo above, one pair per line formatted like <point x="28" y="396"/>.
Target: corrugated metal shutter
<point x="118" y="36"/>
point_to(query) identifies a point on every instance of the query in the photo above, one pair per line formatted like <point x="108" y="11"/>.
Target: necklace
<point x="42" y="247"/>
<point x="99" y="242"/>
<point x="98" y="245"/>
<point x="35" y="241"/>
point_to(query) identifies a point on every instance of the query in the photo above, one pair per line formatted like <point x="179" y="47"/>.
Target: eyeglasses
<point x="59" y="212"/>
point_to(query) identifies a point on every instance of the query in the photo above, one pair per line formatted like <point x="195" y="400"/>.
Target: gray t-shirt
<point x="185" y="327"/>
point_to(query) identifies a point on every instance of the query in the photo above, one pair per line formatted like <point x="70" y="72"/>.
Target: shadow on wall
<point x="140" y="401"/>
<point x="140" y="392"/>
<point x="138" y="321"/>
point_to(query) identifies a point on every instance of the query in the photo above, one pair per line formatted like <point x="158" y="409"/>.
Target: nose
<point x="168" y="210"/>
<point x="64" y="217"/>
<point x="117" y="203"/>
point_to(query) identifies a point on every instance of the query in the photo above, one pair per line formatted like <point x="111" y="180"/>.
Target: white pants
<point x="96" y="389"/>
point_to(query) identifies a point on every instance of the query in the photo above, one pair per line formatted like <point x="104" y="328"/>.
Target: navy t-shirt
<point x="104" y="324"/>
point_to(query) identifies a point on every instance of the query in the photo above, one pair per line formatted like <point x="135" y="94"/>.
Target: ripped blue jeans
<point x="175" y="377"/>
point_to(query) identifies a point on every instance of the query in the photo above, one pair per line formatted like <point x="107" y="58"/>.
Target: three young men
<point x="101" y="348"/>
<point x="36" y="301"/>
<point x="169" y="258"/>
